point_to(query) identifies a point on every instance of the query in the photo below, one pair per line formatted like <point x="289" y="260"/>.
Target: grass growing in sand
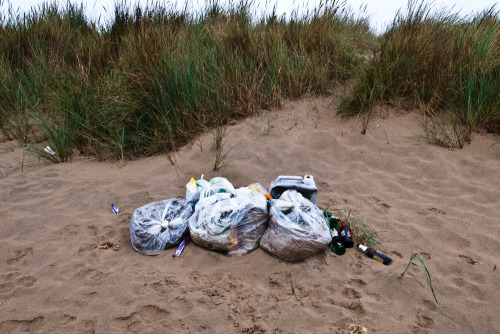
<point x="417" y="261"/>
<point x="155" y="77"/>
<point x="440" y="62"/>
<point x="362" y="233"/>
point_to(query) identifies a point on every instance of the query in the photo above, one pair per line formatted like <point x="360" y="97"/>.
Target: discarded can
<point x="115" y="209"/>
<point x="372" y="253"/>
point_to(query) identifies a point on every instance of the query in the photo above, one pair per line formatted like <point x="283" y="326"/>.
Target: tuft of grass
<point x="61" y="136"/>
<point x="417" y="261"/>
<point x="221" y="153"/>
<point x="362" y="233"/>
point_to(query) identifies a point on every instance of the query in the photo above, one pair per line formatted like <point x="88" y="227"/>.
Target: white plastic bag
<point x="232" y="223"/>
<point x="297" y="228"/>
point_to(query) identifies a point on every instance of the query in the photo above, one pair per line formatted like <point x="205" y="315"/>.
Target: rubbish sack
<point x="232" y="223"/>
<point x="297" y="228"/>
<point x="306" y="186"/>
<point x="159" y="225"/>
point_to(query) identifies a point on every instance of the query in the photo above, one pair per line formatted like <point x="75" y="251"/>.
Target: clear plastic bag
<point x="159" y="225"/>
<point x="297" y="228"/>
<point x="232" y="223"/>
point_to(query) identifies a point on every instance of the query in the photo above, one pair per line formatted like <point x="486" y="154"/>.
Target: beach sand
<point x="444" y="204"/>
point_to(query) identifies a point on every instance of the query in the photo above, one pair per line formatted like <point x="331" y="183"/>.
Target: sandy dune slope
<point x="420" y="198"/>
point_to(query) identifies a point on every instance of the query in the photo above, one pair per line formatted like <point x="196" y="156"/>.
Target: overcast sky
<point x="380" y="11"/>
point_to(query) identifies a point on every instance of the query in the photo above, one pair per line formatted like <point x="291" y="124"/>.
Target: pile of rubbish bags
<point x="285" y="222"/>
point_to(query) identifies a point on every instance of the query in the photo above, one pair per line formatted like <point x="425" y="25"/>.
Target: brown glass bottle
<point x="372" y="253"/>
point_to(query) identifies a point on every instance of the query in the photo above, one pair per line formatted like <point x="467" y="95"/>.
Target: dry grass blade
<point x="362" y="233"/>
<point x="293" y="292"/>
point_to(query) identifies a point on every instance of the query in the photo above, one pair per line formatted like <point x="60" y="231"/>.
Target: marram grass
<point x="153" y="78"/>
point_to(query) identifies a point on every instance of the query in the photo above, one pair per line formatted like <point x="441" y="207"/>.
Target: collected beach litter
<point x="231" y="223"/>
<point x="305" y="186"/>
<point x="159" y="225"/>
<point x="181" y="247"/>
<point x="215" y="215"/>
<point x="374" y="254"/>
<point x="297" y="228"/>
<point x="114" y="209"/>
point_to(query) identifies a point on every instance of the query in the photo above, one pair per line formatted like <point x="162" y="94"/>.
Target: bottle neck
<point x="362" y="247"/>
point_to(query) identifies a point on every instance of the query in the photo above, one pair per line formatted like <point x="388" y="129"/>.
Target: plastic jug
<point x="305" y="186"/>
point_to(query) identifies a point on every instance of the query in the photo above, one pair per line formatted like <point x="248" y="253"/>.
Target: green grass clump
<point x="417" y="261"/>
<point x="154" y="77"/>
<point x="439" y="61"/>
<point x="362" y="233"/>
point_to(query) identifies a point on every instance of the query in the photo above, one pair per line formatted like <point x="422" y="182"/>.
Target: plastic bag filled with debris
<point x="232" y="223"/>
<point x="297" y="228"/>
<point x="159" y="225"/>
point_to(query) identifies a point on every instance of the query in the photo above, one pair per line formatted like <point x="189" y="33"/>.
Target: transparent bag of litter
<point x="232" y="223"/>
<point x="159" y="225"/>
<point x="297" y="228"/>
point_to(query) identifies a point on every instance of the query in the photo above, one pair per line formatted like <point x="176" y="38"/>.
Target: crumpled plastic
<point x="232" y="223"/>
<point x="196" y="190"/>
<point x="297" y="228"/>
<point x="159" y="225"/>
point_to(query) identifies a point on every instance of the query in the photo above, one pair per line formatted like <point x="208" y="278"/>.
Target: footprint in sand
<point x="92" y="230"/>
<point x="432" y="210"/>
<point x="382" y="207"/>
<point x="426" y="256"/>
<point x="467" y="259"/>
<point x="351" y="293"/>
<point x="424" y="321"/>
<point x="143" y="320"/>
<point x="353" y="300"/>
<point x="27" y="281"/>
<point x="20" y="254"/>
<point x="68" y="230"/>
<point x="17" y="326"/>
<point x="397" y="254"/>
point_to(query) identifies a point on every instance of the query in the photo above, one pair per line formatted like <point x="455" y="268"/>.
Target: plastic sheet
<point x="297" y="228"/>
<point x="232" y="223"/>
<point x="159" y="225"/>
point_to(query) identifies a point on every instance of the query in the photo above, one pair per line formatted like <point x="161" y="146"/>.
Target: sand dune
<point x="420" y="198"/>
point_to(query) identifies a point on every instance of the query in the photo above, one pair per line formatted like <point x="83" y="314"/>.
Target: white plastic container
<point x="305" y="186"/>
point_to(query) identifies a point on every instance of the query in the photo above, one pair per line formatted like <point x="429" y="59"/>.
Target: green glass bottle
<point x="335" y="245"/>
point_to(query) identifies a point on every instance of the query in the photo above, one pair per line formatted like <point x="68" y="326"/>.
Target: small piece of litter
<point x="357" y="329"/>
<point x="49" y="150"/>
<point x="109" y="245"/>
